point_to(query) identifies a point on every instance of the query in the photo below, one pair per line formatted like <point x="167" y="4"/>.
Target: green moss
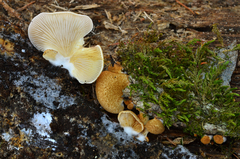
<point x="189" y="75"/>
<point x="217" y="32"/>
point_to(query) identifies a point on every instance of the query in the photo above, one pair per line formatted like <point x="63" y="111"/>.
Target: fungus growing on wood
<point x="117" y="67"/>
<point x="219" y="139"/>
<point x="206" y="139"/>
<point x="155" y="126"/>
<point x="7" y="46"/>
<point x="109" y="86"/>
<point x="129" y="104"/>
<point x="60" y="36"/>
<point x="143" y="118"/>
<point x="130" y="122"/>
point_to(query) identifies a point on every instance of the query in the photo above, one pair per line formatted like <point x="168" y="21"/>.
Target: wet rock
<point x="228" y="56"/>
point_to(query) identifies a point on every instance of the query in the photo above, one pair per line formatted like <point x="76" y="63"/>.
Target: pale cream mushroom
<point x="60" y="35"/>
<point x="130" y="122"/>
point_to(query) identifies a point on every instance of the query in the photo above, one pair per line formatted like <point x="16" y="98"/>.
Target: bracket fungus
<point x="109" y="86"/>
<point x="130" y="122"/>
<point x="60" y="35"/>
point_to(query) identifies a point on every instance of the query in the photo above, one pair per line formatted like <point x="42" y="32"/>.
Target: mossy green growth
<point x="189" y="76"/>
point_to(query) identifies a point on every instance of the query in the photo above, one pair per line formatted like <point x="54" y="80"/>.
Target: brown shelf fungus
<point x="60" y="35"/>
<point x="109" y="86"/>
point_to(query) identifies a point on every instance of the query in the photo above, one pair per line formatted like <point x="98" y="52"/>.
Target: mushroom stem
<point x="143" y="135"/>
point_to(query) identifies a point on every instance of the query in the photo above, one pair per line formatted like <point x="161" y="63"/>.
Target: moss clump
<point x="189" y="77"/>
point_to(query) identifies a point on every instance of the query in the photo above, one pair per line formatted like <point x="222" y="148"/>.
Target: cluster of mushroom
<point x="139" y="125"/>
<point x="109" y="93"/>
<point x="60" y="35"/>
<point x="219" y="139"/>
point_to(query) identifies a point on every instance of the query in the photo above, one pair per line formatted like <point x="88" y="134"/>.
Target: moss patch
<point x="189" y="77"/>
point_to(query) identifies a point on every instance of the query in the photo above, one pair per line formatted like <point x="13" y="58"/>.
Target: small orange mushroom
<point x="219" y="139"/>
<point x="7" y="46"/>
<point x="117" y="68"/>
<point x="129" y="104"/>
<point x="206" y="139"/>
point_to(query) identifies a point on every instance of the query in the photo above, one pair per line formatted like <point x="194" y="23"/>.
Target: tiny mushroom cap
<point x="117" y="68"/>
<point x="60" y="35"/>
<point x="206" y="139"/>
<point x="130" y="119"/>
<point x="109" y="86"/>
<point x="219" y="139"/>
<point x="155" y="126"/>
<point x="129" y="104"/>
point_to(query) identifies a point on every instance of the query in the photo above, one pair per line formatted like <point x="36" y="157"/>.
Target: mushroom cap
<point x="129" y="104"/>
<point x="109" y="88"/>
<point x="60" y="35"/>
<point x="88" y="64"/>
<point x="130" y="119"/>
<point x="155" y="126"/>
<point x="219" y="139"/>
<point x="143" y="118"/>
<point x="59" y="31"/>
<point x="206" y="139"/>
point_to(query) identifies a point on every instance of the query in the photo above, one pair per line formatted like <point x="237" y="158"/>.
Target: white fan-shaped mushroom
<point x="60" y="31"/>
<point x="60" y="35"/>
